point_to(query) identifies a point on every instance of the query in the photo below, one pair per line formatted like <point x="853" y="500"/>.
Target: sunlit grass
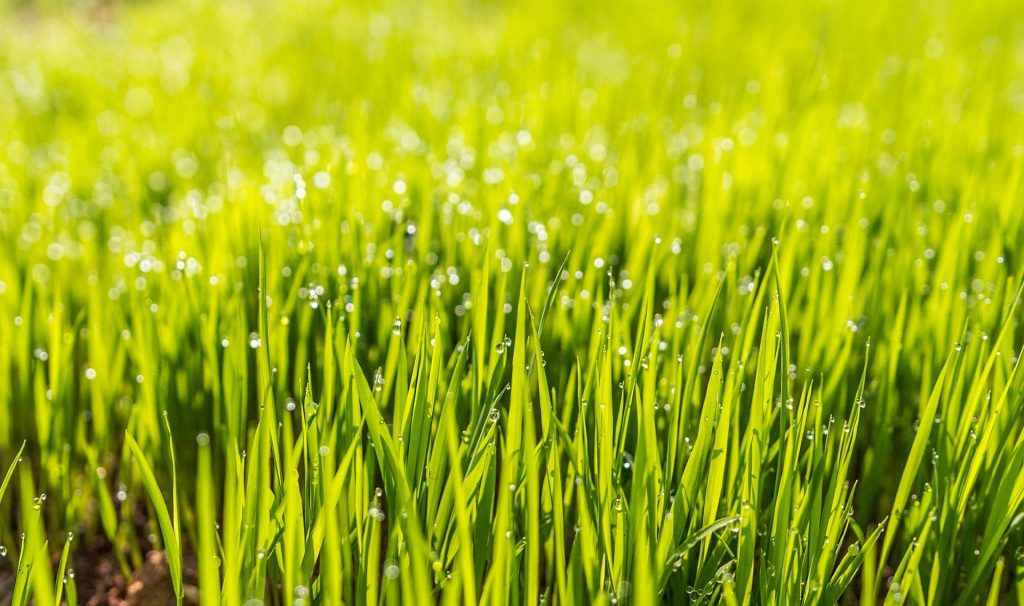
<point x="504" y="303"/>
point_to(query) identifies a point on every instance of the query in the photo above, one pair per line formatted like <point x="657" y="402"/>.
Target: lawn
<point x="311" y="302"/>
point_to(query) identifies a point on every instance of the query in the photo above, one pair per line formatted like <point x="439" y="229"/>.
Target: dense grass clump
<point x="476" y="302"/>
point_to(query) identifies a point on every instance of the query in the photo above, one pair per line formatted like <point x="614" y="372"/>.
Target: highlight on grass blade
<point x="168" y="529"/>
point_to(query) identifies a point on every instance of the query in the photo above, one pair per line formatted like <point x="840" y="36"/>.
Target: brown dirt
<point x="99" y="581"/>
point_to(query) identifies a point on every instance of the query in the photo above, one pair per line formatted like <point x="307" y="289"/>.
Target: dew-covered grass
<point x="513" y="302"/>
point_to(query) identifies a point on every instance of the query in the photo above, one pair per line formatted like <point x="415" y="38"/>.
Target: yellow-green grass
<point x="515" y="302"/>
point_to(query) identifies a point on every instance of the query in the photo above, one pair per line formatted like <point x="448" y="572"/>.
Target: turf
<point x="513" y="302"/>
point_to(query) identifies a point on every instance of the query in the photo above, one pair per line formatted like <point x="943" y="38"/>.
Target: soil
<point x="99" y="581"/>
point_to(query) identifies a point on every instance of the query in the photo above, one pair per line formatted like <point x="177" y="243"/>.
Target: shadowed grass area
<point x="480" y="302"/>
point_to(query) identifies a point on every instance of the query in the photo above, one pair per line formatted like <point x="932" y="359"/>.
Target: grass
<point x="521" y="302"/>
